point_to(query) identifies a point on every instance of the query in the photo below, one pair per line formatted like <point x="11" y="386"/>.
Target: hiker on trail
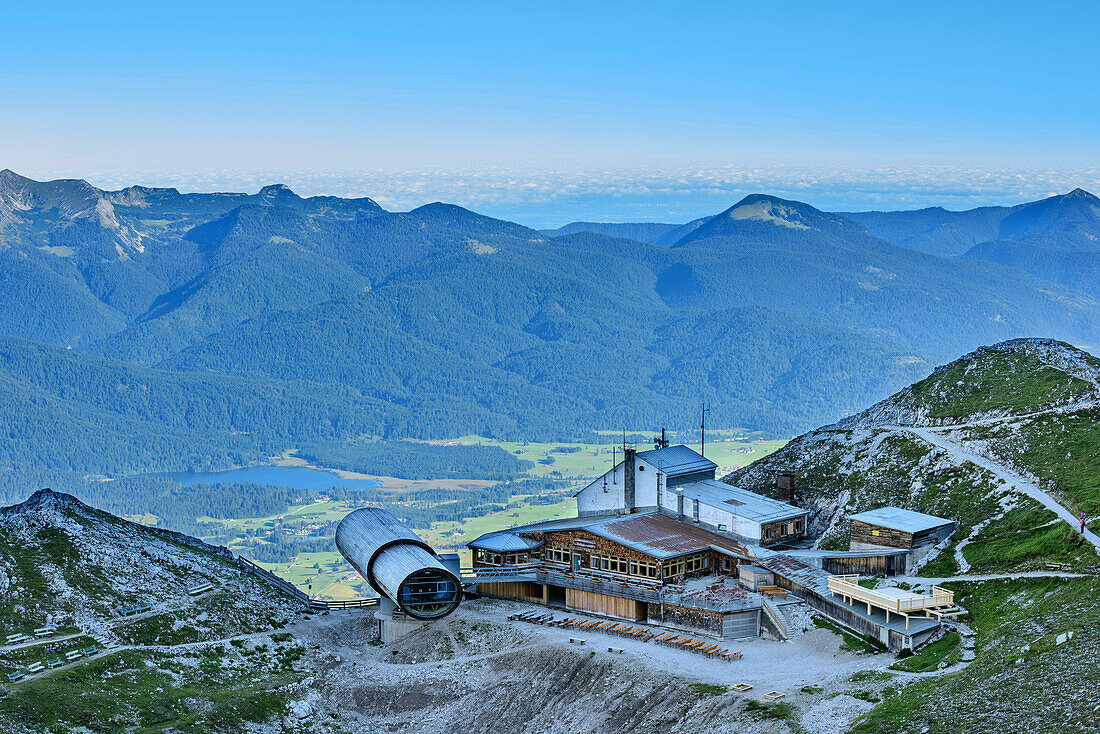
<point x="1082" y="523"/>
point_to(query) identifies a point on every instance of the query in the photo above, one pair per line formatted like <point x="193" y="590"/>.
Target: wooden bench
<point x="735" y="655"/>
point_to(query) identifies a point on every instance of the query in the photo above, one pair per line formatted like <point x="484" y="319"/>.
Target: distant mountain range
<point x="240" y="309"/>
<point x="1056" y="239"/>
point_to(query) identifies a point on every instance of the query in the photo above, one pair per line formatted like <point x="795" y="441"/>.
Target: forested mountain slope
<point x="441" y="322"/>
<point x="654" y="233"/>
<point x="1056" y="239"/>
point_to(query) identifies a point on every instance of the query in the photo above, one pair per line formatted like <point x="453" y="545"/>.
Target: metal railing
<point x="310" y="602"/>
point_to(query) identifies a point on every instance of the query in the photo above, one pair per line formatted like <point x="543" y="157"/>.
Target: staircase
<point x="776" y="617"/>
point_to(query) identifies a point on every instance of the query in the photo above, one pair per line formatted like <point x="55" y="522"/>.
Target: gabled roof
<point x="899" y="518"/>
<point x="677" y="460"/>
<point x="740" y="502"/>
<point x="505" y="542"/>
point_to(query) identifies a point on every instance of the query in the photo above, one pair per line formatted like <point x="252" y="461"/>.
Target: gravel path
<point x="992" y="577"/>
<point x="1013" y="479"/>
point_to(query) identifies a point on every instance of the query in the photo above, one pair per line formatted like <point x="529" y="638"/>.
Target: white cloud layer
<point x="546" y="197"/>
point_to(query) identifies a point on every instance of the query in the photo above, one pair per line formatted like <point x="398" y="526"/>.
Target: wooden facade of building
<point x="864" y="532"/>
<point x="606" y="605"/>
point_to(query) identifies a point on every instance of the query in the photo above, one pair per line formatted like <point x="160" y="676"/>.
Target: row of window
<point x="613" y="564"/>
<point x="687" y="564"/>
<point x="617" y="564"/>
<point x="785" y="529"/>
<point x="608" y="563"/>
<point x="501" y="559"/>
<point x="561" y="555"/>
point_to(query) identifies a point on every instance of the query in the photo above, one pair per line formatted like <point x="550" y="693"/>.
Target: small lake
<point x="296" y="477"/>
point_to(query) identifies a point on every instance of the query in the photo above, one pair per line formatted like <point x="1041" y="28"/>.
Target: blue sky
<point x="1000" y="99"/>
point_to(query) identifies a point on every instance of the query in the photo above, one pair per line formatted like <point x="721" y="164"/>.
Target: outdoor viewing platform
<point x="892" y="600"/>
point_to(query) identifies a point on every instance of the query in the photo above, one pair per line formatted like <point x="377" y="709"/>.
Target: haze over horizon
<point x="549" y="114"/>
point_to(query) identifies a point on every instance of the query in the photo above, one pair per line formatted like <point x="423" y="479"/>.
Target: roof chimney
<point x="784" y="488"/>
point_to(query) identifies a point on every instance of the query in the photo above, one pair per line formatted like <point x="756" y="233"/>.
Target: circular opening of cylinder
<point x="429" y="593"/>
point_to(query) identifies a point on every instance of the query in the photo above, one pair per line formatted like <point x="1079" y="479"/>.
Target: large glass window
<point x="687" y="564"/>
<point x="428" y="594"/>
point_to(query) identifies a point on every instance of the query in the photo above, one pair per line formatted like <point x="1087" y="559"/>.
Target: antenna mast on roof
<point x="703" y="431"/>
<point x="662" y="442"/>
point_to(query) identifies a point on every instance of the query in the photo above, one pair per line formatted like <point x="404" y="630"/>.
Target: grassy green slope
<point x="1025" y="677"/>
<point x="1027" y="404"/>
<point x="866" y="461"/>
<point x="64" y="562"/>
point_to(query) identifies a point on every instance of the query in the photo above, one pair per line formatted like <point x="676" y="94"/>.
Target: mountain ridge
<point x="462" y="323"/>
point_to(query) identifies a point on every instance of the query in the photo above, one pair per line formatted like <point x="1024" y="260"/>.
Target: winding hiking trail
<point x="1011" y="478"/>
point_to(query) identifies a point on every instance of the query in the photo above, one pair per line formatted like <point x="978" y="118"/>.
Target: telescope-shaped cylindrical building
<point x="398" y="564"/>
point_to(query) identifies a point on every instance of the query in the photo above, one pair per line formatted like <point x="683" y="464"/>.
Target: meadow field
<point x="326" y="574"/>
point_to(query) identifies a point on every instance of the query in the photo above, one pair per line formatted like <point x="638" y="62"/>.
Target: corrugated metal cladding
<point x="662" y="536"/>
<point x="397" y="563"/>
<point x="899" y="518"/>
<point x="677" y="460"/>
<point x="743" y="624"/>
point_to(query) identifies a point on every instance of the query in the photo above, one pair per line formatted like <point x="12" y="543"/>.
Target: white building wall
<point x="593" y="500"/>
<point x="645" y="484"/>
<point x="714" y="516"/>
<point x="745" y="528"/>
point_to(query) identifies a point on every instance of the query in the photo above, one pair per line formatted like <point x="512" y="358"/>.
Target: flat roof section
<point x="740" y="502"/>
<point x="899" y="518"/>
